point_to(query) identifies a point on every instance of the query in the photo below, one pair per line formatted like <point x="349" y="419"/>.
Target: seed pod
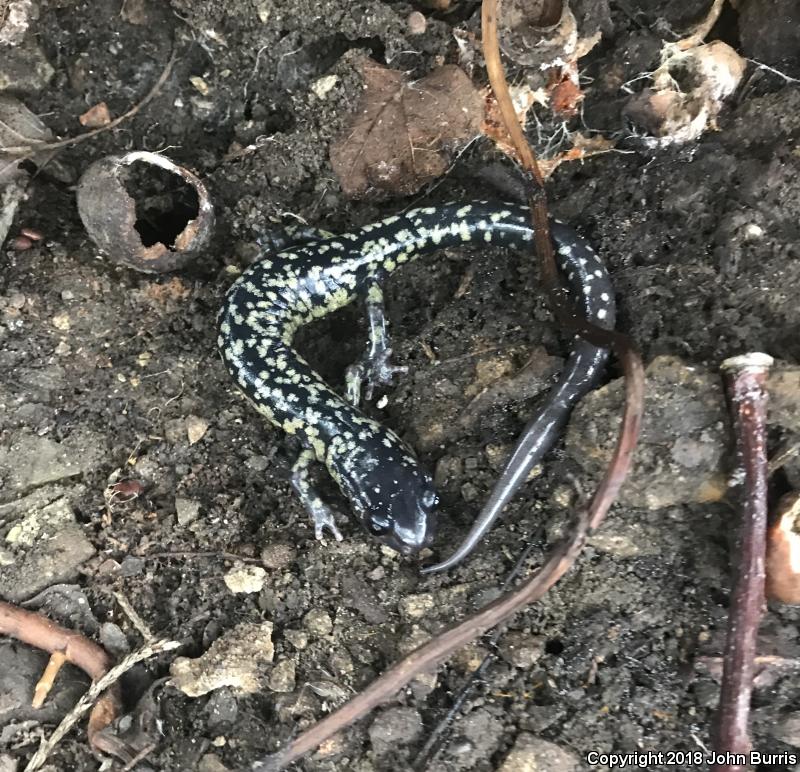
<point x="144" y="211"/>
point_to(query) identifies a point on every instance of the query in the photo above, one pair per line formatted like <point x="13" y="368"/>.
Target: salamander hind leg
<point x="321" y="514"/>
<point x="375" y="367"/>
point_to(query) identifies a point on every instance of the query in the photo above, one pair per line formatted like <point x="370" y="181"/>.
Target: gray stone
<point x="44" y="544"/>
<point x="187" y="510"/>
<point x="52" y="560"/>
<point x="8" y="763"/>
<point x="684" y="437"/>
<point x="787" y="730"/>
<point x="318" y="622"/>
<point x="393" y="727"/>
<point x="29" y="460"/>
<point x="222" y="708"/>
<point x="24" y="68"/>
<point x="282" y="678"/>
<point x="532" y="754"/>
<point x="278" y="555"/>
<point x="521" y="650"/>
<point x="114" y="640"/>
<point x="131" y="566"/>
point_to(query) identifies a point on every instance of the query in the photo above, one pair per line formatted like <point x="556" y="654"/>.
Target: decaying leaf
<point x="18" y="125"/>
<point x="565" y="94"/>
<point x="404" y="133"/>
<point x="523" y="98"/>
<point x="583" y="147"/>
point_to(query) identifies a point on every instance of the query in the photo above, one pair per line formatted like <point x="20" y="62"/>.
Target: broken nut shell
<point x="120" y="215"/>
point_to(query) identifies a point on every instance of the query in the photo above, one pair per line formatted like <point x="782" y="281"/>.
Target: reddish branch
<point x="745" y="377"/>
<point x="562" y="557"/>
<point x="38" y="631"/>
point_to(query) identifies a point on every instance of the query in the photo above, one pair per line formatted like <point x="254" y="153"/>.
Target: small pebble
<point x="297" y="638"/>
<point x="787" y="729"/>
<point x="417" y="23"/>
<point x="187" y="510"/>
<point x="533" y="754"/>
<point x="318" y="622"/>
<point x="377" y="574"/>
<point x="196" y="428"/>
<point x="520" y="649"/>
<point x="211" y="763"/>
<point x="61" y="322"/>
<point x="245" y="579"/>
<point x="15" y="300"/>
<point x="21" y="243"/>
<point x="131" y="566"/>
<point x="393" y="727"/>
<point x="114" y="640"/>
<point x="257" y="463"/>
<point x="342" y="663"/>
<point x="469" y="492"/>
<point x="282" y="678"/>
<point x="416" y="606"/>
<point x="278" y="556"/>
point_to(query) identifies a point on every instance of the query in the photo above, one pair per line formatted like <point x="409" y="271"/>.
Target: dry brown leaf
<point x="96" y="116"/>
<point x="583" y="147"/>
<point x="404" y="133"/>
<point x="18" y="125"/>
<point x="565" y="96"/>
<point x="523" y="98"/>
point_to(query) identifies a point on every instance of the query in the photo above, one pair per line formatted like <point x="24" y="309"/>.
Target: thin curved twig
<point x="36" y="147"/>
<point x="38" y="631"/>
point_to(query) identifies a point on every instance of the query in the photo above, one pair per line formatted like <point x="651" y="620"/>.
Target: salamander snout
<point x="393" y="497"/>
<point x="404" y="519"/>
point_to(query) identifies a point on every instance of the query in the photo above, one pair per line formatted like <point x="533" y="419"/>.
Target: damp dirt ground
<point x="105" y="373"/>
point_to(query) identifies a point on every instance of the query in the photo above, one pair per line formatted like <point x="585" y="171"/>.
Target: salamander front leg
<point x="321" y="513"/>
<point x="375" y="366"/>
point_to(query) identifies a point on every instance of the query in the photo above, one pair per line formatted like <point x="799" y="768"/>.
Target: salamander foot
<point x="321" y="514"/>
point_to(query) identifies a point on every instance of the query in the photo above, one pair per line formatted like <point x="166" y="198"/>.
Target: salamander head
<point x="393" y="497"/>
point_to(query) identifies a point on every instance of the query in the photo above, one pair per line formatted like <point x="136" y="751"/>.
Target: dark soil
<point x="700" y="240"/>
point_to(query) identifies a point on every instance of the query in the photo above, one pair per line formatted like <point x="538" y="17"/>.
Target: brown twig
<point x="108" y="683"/>
<point x="745" y="378"/>
<point x="563" y="555"/>
<point x="36" y="147"/>
<point x="48" y="679"/>
<point x="76" y="649"/>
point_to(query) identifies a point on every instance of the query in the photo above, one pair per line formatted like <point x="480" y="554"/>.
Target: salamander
<point x="376" y="471"/>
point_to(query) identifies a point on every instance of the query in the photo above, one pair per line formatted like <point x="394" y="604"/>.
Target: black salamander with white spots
<point x="375" y="470"/>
